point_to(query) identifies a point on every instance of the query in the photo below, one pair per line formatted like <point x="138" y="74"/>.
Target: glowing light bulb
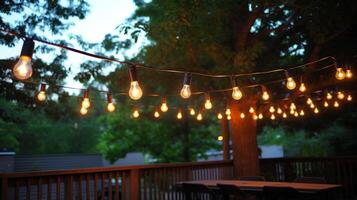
<point x="255" y="117"/>
<point x="340" y="74"/>
<point x="336" y="104"/>
<point x="302" y="113"/>
<point x="290" y="84"/>
<point x="219" y="116"/>
<point x="271" y="109"/>
<point x="228" y="111"/>
<point x="136" y="114"/>
<point x="302" y="87"/>
<point x="340" y="95"/>
<point x="41" y="96"/>
<point x="199" y="117"/>
<point x="220" y="138"/>
<point x="279" y="111"/>
<point x="229" y="117"/>
<point x="179" y="115"/>
<point x="349" y="98"/>
<point x="23" y="69"/>
<point x="86" y="103"/>
<point x="265" y="95"/>
<point x="328" y="96"/>
<point x="309" y="101"/>
<point x="83" y="111"/>
<point x="242" y="115"/>
<point x="312" y="105"/>
<point x="296" y="114"/>
<point x="111" y="107"/>
<point x="260" y="116"/>
<point x="285" y="115"/>
<point x="292" y="111"/>
<point x="316" y="110"/>
<point x="251" y="110"/>
<point x="192" y="111"/>
<point x="236" y="93"/>
<point x="292" y="106"/>
<point x="156" y="114"/>
<point x="272" y="117"/>
<point x="135" y="91"/>
<point x="349" y="73"/>
<point x="186" y="91"/>
<point x="325" y="104"/>
<point x="208" y="104"/>
<point x="164" y="107"/>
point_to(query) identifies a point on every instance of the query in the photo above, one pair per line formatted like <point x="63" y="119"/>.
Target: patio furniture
<point x="229" y="190"/>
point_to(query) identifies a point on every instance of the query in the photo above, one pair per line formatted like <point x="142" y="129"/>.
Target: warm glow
<point x="325" y="104"/>
<point x="302" y="87"/>
<point x="302" y="113"/>
<point x="309" y="101"/>
<point x="236" y="93"/>
<point x="296" y="114"/>
<point x="83" y="111"/>
<point x="349" y="98"/>
<point x="340" y="95"/>
<point x="265" y="95"/>
<point x="41" y="96"/>
<point x="340" y="74"/>
<point x="228" y="111"/>
<point x="312" y="105"/>
<point x="179" y="115"/>
<point x="208" y="104"/>
<point x="255" y="117"/>
<point x="251" y="110"/>
<point x="156" y="114"/>
<point x="242" y="115"/>
<point x="316" y="110"/>
<point x="185" y="91"/>
<point x="279" y="111"/>
<point x="349" y="73"/>
<point x="220" y="138"/>
<point x="271" y="109"/>
<point x="219" y="116"/>
<point x="328" y="96"/>
<point x="164" y="107"/>
<point x="136" y="114"/>
<point x="260" y="116"/>
<point x="135" y="91"/>
<point x="229" y="117"/>
<point x="111" y="107"/>
<point x="23" y="69"/>
<point x="292" y="106"/>
<point x="292" y="111"/>
<point x="285" y="115"/>
<point x="86" y="103"/>
<point x="290" y="84"/>
<point x="192" y="111"/>
<point x="199" y="116"/>
<point x="272" y="117"/>
<point x="336" y="104"/>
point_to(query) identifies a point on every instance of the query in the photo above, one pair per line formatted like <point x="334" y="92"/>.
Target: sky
<point x="103" y="18"/>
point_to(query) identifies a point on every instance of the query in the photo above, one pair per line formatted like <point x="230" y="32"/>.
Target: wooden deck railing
<point x="132" y="182"/>
<point x="340" y="170"/>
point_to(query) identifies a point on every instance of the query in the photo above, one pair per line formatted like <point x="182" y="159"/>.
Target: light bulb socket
<point x="233" y="81"/>
<point x="132" y="73"/>
<point x="43" y="87"/>
<point x="28" y="48"/>
<point x="187" y="79"/>
<point x="110" y="97"/>
<point x="86" y="94"/>
<point x="207" y="96"/>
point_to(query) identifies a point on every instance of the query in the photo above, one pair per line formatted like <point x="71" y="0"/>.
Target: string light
<point x="316" y="111"/>
<point x="265" y="95"/>
<point x="220" y="138"/>
<point x="349" y="73"/>
<point x="302" y="87"/>
<point x="285" y="115"/>
<point x="312" y="105"/>
<point x="255" y="117"/>
<point x="136" y="113"/>
<point x="86" y="102"/>
<point x="219" y="116"/>
<point x="272" y="109"/>
<point x="340" y="74"/>
<point x="242" y="115"/>
<point x="208" y="103"/>
<point x="292" y="111"/>
<point x="110" y="105"/>
<point x="41" y="96"/>
<point x="328" y="96"/>
<point x="340" y="95"/>
<point x="325" y="104"/>
<point x="309" y="101"/>
<point x="290" y="84"/>
<point x="292" y="106"/>
<point x="199" y="116"/>
<point x="164" y="107"/>
<point x="83" y="111"/>
<point x="135" y="91"/>
<point x="260" y="116"/>
<point x="302" y="113"/>
<point x="179" y="115"/>
<point x="272" y="117"/>
<point x="296" y="114"/>
<point x="192" y="111"/>
<point x="349" y="98"/>
<point x="229" y="117"/>
<point x="156" y="114"/>
<point x="186" y="91"/>
<point x="228" y="111"/>
<point x="279" y="111"/>
<point x="23" y="68"/>
<point x="251" y="110"/>
<point x="336" y="104"/>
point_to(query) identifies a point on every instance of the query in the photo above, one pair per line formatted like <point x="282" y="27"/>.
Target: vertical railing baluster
<point x="39" y="189"/>
<point x="116" y="175"/>
<point x="95" y="186"/>
<point x="110" y="185"/>
<point x="49" y="188"/>
<point x="87" y="187"/>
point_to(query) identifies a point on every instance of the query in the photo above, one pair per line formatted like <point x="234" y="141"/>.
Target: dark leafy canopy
<point x="227" y="36"/>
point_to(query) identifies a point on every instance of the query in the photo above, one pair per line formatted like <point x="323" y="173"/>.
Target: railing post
<point x="134" y="184"/>
<point x="4" y="187"/>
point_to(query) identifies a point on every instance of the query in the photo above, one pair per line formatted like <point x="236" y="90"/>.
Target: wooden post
<point x="244" y="139"/>
<point x="134" y="184"/>
<point x="4" y="187"/>
<point x="225" y="135"/>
